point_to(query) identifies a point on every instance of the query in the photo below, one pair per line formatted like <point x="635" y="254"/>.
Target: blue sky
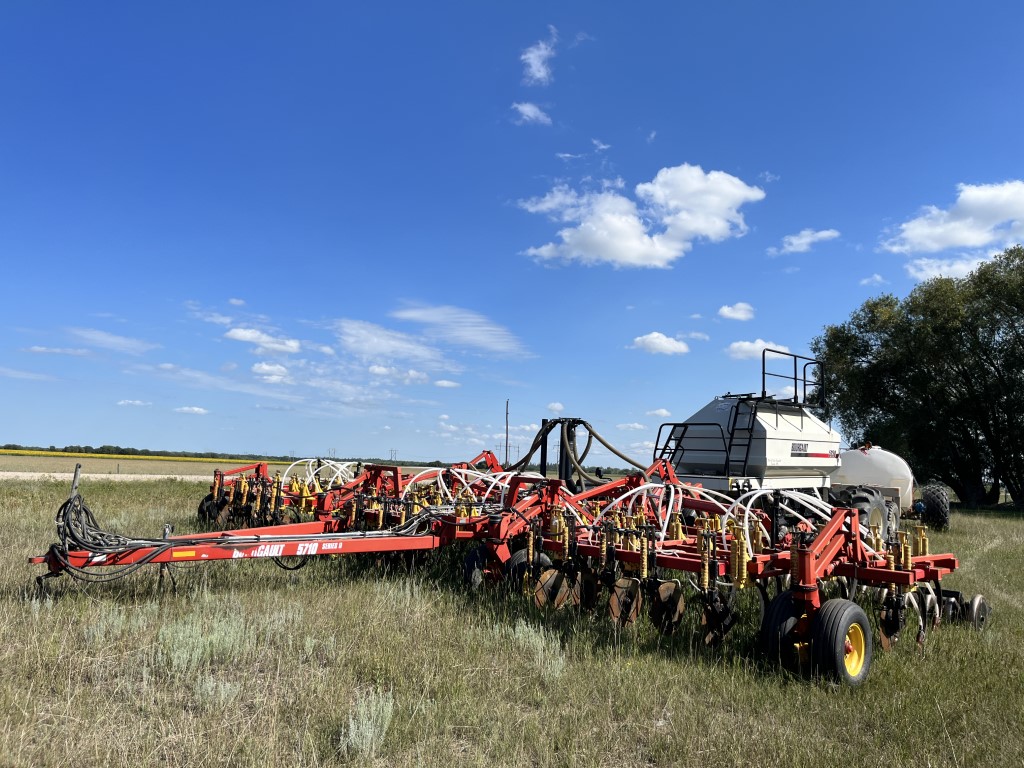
<point x="316" y="227"/>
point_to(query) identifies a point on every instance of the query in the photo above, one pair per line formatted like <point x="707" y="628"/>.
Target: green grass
<point x="342" y="663"/>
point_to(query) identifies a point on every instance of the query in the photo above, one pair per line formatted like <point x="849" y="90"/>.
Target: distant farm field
<point x="102" y="465"/>
<point x="348" y="663"/>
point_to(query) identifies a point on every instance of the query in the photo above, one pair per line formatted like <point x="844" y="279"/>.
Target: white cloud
<point x="530" y="113"/>
<point x="446" y="384"/>
<point x="407" y="376"/>
<point x="600" y="146"/>
<point x="875" y="279"/>
<point x="271" y="373"/>
<point x="374" y="343"/>
<point x="663" y="413"/>
<point x="983" y="215"/>
<point x="768" y="177"/>
<point x="566" y="156"/>
<point x="651" y="136"/>
<point x="194" y="410"/>
<point x="133" y="403"/>
<point x="738" y="311"/>
<point x="925" y="269"/>
<point x="465" y="328"/>
<point x="659" y="344"/>
<point x="537" y="60"/>
<point x="696" y="316"/>
<point x="633" y="427"/>
<point x="264" y="341"/>
<point x="556" y="407"/>
<point x="58" y="351"/>
<point x="325" y="350"/>
<point x="681" y="205"/>
<point x="746" y="350"/>
<point x="802" y="241"/>
<point x="697" y="335"/>
<point x="112" y="342"/>
<point x="236" y="302"/>
<point x="11" y="373"/>
<point x="443" y="417"/>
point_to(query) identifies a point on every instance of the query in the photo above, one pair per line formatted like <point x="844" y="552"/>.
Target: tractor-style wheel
<point x="936" y="507"/>
<point x="517" y="569"/>
<point x="841" y="642"/>
<point x="778" y="632"/>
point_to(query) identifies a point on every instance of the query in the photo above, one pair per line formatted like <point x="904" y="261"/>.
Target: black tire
<point x="516" y="566"/>
<point x="936" y="507"/>
<point x="841" y="644"/>
<point x="778" y="632"/>
<point x="892" y="516"/>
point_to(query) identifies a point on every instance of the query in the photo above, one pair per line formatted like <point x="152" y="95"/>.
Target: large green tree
<point x="939" y="377"/>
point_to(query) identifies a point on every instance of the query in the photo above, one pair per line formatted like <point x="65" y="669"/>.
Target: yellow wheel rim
<point x="853" y="658"/>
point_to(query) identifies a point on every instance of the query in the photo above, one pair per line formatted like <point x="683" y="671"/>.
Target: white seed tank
<point x="876" y="466"/>
<point x="744" y="442"/>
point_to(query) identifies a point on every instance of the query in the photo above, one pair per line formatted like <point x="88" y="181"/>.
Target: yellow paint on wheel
<point x="855" y="650"/>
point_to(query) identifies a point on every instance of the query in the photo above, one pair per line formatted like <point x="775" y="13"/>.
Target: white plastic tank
<point x="876" y="466"/>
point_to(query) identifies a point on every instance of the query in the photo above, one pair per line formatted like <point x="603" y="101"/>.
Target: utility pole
<point x="506" y="434"/>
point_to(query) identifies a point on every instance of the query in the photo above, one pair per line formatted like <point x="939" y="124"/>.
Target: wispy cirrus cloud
<point x="13" y="373"/>
<point x="73" y="352"/>
<point x="464" y="328"/>
<point x="376" y="344"/>
<point x="113" y="342"/>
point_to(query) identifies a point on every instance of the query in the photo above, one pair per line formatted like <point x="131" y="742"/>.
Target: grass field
<point x="343" y="663"/>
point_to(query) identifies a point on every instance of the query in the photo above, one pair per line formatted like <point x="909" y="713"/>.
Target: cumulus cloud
<point x="632" y="427"/>
<point x="112" y="342"/>
<point x="802" y="241"/>
<point x="446" y="384"/>
<point x="662" y="413"/>
<point x="271" y="373"/>
<point x="926" y="269"/>
<point x="133" y="403"/>
<point x="556" y="407"/>
<point x="875" y="279"/>
<point x="194" y="410"/>
<point x="537" y="60"/>
<point x="264" y="341"/>
<point x="528" y="113"/>
<point x="738" y="311"/>
<point x="746" y="350"/>
<point x="983" y="215"/>
<point x="697" y="335"/>
<point x="659" y="344"/>
<point x="681" y="205"/>
<point x="463" y="328"/>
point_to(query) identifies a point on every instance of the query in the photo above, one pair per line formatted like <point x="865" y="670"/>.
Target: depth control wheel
<point x="778" y="632"/>
<point x="841" y="642"/>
